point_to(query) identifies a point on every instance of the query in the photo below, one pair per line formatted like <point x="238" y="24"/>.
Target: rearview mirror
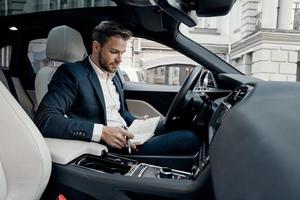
<point x="175" y="9"/>
<point x="209" y="8"/>
<point x="183" y="10"/>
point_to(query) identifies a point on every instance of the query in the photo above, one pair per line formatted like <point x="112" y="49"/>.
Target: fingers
<point x="133" y="146"/>
<point x="127" y="134"/>
<point x="117" y="144"/>
<point x="116" y="137"/>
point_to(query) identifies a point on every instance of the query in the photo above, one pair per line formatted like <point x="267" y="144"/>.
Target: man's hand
<point x="116" y="137"/>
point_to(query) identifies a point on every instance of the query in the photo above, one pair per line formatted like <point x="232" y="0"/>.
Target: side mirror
<point x="182" y="9"/>
<point x="207" y="80"/>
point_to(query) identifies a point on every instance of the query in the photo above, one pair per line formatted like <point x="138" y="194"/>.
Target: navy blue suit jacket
<point x="75" y="91"/>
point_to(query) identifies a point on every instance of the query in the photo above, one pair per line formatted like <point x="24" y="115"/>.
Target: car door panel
<point x="159" y="97"/>
<point x="141" y="108"/>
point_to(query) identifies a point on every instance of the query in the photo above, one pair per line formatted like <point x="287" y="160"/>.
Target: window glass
<point x="296" y="15"/>
<point x="209" y="23"/>
<point x="146" y="61"/>
<point x="5" y="55"/>
<point x="37" y="55"/>
<point x="31" y="6"/>
<point x="258" y="38"/>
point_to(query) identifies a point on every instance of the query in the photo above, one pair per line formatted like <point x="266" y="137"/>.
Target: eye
<point x="113" y="51"/>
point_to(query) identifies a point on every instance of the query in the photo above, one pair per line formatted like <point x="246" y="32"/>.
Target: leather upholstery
<point x="64" y="44"/>
<point x="25" y="162"/>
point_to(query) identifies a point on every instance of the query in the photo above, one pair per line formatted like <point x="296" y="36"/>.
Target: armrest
<point x="64" y="151"/>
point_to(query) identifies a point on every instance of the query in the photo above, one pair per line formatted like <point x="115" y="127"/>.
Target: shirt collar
<point x="101" y="73"/>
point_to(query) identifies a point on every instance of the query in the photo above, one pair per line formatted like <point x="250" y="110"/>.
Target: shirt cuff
<point x="97" y="132"/>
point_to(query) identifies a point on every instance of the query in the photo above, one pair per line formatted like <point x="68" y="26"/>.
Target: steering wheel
<point x="180" y="98"/>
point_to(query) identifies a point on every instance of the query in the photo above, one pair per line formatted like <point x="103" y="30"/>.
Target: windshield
<point x="259" y="38"/>
<point x="9" y="7"/>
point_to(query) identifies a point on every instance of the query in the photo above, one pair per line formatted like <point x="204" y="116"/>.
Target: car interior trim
<point x="64" y="151"/>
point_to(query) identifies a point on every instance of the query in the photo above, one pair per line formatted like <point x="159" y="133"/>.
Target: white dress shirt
<point x="112" y="102"/>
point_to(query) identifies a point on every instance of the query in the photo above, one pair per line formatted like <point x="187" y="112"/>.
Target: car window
<point x="258" y="38"/>
<point x="37" y="55"/>
<point x="146" y="61"/>
<point x="29" y="6"/>
<point x="5" y="55"/>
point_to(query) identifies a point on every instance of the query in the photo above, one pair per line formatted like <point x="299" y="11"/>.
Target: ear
<point x="96" y="46"/>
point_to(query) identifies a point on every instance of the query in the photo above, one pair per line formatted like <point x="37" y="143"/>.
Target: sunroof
<point x="8" y="7"/>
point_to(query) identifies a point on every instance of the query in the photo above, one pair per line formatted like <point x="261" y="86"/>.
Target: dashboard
<point x="225" y="105"/>
<point x="254" y="149"/>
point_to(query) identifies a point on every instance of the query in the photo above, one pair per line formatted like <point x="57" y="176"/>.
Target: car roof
<point x="158" y="17"/>
<point x="136" y="18"/>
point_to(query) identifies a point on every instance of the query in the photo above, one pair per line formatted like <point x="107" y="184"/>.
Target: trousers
<point x="180" y="142"/>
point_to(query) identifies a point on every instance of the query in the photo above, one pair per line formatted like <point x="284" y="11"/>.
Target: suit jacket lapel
<point x="96" y="85"/>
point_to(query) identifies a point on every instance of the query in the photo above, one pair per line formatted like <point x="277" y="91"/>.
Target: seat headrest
<point x="65" y="44"/>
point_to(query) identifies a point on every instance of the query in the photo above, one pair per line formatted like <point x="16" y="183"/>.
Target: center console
<point x="114" y="164"/>
<point x="95" y="157"/>
<point x="86" y="170"/>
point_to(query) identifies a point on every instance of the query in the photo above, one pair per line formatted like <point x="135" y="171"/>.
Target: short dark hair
<point x="107" y="29"/>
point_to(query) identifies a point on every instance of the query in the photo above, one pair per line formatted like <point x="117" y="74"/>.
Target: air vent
<point x="238" y="94"/>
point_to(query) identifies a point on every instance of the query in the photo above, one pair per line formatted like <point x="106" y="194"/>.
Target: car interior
<point x="249" y="147"/>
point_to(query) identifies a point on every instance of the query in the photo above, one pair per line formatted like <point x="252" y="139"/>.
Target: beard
<point x="105" y="65"/>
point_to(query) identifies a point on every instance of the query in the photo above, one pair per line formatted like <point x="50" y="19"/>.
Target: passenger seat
<point x="25" y="161"/>
<point x="64" y="44"/>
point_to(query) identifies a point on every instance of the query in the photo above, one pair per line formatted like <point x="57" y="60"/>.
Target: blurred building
<point x="259" y="37"/>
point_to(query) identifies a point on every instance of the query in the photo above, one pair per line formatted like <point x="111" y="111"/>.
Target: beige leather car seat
<point x="25" y="162"/>
<point x="64" y="44"/>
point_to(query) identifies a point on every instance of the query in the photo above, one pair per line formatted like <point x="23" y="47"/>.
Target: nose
<point x="119" y="58"/>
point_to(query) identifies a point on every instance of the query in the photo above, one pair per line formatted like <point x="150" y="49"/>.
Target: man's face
<point x="110" y="54"/>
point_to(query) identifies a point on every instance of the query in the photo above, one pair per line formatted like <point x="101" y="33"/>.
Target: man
<point x="91" y="97"/>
